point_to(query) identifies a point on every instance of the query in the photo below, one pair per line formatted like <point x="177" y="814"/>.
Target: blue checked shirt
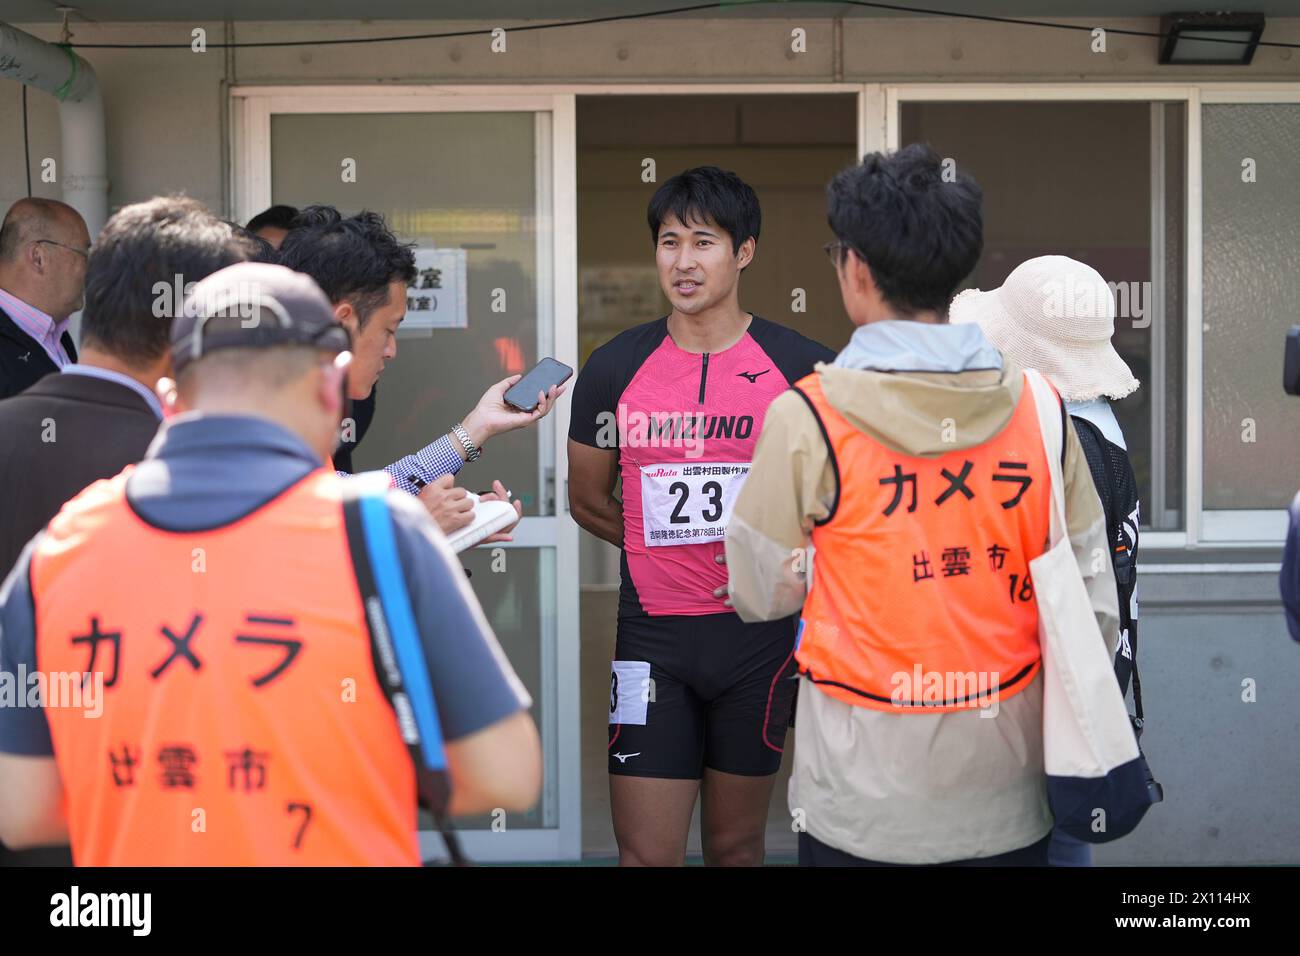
<point x="428" y="464"/>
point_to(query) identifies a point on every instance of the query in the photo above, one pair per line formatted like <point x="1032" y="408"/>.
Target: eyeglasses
<point x="835" y="252"/>
<point x="84" y="253"/>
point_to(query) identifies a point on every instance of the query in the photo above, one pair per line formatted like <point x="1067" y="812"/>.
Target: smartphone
<point x="541" y="378"/>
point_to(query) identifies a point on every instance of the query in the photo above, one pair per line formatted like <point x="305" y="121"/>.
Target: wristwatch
<point x="472" y="451"/>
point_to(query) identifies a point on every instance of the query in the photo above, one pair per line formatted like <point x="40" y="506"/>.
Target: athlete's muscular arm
<point x="593" y="473"/>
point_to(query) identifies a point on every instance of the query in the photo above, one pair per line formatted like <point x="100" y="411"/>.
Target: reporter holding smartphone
<point x="364" y="270"/>
<point x="449" y="505"/>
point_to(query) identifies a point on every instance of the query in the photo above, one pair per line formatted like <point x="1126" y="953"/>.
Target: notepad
<point x="489" y="518"/>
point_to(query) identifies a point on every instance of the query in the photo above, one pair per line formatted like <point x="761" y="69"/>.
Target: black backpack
<point x="1112" y="474"/>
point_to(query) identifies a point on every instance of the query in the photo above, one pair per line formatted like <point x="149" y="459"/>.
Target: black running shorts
<point x="695" y="691"/>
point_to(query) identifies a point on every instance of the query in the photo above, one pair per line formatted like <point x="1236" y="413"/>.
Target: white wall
<point x="166" y="108"/>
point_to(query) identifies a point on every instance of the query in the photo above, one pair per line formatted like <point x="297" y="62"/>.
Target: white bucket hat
<point x="1057" y="315"/>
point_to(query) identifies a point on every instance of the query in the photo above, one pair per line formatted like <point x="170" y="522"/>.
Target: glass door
<point x="483" y="186"/>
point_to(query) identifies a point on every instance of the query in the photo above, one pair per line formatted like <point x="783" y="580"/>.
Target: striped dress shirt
<point x="38" y="325"/>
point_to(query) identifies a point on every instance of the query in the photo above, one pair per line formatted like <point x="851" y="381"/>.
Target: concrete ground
<point x="598" y="618"/>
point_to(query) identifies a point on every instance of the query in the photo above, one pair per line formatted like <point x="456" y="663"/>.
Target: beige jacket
<point x="915" y="787"/>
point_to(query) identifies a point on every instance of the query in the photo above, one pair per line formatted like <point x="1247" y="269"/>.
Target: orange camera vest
<point x="243" y="723"/>
<point x="921" y="600"/>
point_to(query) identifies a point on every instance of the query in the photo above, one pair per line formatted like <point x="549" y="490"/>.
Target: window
<point x="1251" y="255"/>
<point x="1101" y="182"/>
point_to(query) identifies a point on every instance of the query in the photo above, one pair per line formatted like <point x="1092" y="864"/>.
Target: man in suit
<point x="99" y="415"/>
<point x="43" y="249"/>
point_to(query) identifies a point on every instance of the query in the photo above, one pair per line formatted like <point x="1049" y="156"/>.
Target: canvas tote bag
<point x="1096" y="784"/>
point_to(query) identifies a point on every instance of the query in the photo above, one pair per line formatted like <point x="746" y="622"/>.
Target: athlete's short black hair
<point x="280" y="217"/>
<point x="920" y="233"/>
<point x="352" y="258"/>
<point x="708" y="194"/>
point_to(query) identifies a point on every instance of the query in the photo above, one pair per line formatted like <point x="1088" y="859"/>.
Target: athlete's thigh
<point x="656" y="721"/>
<point x="652" y="818"/>
<point x="656" y="741"/>
<point x="750" y="696"/>
<point x="733" y="817"/>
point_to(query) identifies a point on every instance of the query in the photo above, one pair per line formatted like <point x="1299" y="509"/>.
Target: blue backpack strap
<point x="395" y="646"/>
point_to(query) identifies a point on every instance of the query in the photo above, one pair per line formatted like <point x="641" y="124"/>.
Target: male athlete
<point x="674" y="408"/>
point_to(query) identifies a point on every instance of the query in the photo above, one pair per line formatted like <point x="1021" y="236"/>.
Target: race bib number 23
<point x="689" y="504"/>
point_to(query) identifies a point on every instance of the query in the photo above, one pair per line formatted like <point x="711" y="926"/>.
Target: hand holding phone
<point x="544" y="376"/>
<point x="497" y="412"/>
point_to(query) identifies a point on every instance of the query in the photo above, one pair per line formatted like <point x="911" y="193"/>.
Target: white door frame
<point x="560" y="836"/>
<point x="250" y="189"/>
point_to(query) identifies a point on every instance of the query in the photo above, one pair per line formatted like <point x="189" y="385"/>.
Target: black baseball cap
<point x="274" y="306"/>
